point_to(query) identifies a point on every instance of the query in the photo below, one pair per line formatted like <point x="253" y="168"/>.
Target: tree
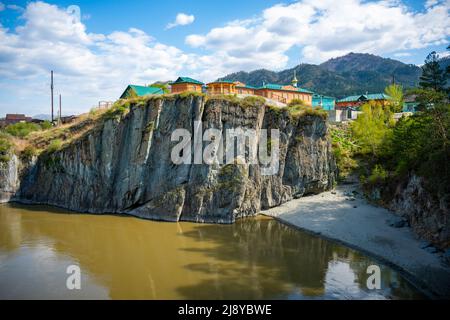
<point x="428" y="98"/>
<point x="447" y="70"/>
<point x="163" y="86"/>
<point x="371" y="128"/>
<point x="395" y="93"/>
<point x="433" y="76"/>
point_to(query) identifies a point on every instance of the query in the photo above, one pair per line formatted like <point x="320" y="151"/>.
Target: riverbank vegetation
<point x="380" y="150"/>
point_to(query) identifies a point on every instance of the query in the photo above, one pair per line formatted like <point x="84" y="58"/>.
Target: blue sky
<point x="119" y="42"/>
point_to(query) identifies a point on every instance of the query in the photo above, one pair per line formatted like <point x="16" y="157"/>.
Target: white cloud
<point x="322" y="29"/>
<point x="88" y="67"/>
<point x="402" y="54"/>
<point x="430" y="3"/>
<point x="182" y="19"/>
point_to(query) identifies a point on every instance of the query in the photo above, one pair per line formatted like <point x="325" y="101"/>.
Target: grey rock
<point x="124" y="165"/>
<point x="431" y="249"/>
<point x="426" y="213"/>
<point x="396" y="222"/>
<point x="446" y="256"/>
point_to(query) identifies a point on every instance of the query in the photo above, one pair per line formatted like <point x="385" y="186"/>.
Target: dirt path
<point x="351" y="220"/>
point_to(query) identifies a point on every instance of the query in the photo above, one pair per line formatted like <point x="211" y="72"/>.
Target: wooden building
<point x="184" y="84"/>
<point x="242" y="88"/>
<point x="284" y="93"/>
<point x="140" y="91"/>
<point x="221" y="87"/>
<point x="356" y="101"/>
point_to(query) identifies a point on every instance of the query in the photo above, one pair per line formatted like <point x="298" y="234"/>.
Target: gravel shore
<point x="343" y="215"/>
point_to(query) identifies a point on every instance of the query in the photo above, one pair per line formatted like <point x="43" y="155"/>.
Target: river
<point x="128" y="258"/>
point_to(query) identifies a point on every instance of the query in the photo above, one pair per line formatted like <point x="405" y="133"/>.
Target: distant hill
<point x="354" y="73"/>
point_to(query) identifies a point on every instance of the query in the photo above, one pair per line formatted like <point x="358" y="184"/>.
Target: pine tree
<point x="433" y="76"/>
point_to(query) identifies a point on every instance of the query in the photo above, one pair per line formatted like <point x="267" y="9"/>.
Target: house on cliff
<point x="277" y="92"/>
<point x="140" y="91"/>
<point x="184" y="84"/>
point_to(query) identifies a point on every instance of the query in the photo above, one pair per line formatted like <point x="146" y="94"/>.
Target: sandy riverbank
<point x="360" y="225"/>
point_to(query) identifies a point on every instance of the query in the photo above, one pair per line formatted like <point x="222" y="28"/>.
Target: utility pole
<point x="59" y="108"/>
<point x="51" y="90"/>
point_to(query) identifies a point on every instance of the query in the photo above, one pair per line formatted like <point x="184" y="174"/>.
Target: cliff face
<point x="428" y="214"/>
<point x="124" y="165"/>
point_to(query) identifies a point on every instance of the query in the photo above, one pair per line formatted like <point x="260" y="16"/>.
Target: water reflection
<point x="128" y="258"/>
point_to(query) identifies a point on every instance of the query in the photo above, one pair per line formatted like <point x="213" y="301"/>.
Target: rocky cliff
<point x="427" y="213"/>
<point x="123" y="165"/>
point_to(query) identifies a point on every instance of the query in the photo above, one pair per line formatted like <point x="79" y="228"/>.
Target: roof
<point x="377" y="96"/>
<point x="320" y="96"/>
<point x="272" y="86"/>
<point x="223" y="81"/>
<point x="143" y="91"/>
<point x="246" y="86"/>
<point x="15" y="116"/>
<point x="372" y="96"/>
<point x="187" y="80"/>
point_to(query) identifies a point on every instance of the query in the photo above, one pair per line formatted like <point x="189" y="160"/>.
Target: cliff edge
<point x="123" y="164"/>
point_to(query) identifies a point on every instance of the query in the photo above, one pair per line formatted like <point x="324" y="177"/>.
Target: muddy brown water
<point x="128" y="258"/>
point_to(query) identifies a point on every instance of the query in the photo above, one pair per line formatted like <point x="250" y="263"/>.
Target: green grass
<point x="187" y="94"/>
<point x="297" y="111"/>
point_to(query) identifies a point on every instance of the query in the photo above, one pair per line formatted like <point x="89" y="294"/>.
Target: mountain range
<point x="354" y="73"/>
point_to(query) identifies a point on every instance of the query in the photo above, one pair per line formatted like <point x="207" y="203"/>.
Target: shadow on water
<point x="264" y="259"/>
<point x="129" y="258"/>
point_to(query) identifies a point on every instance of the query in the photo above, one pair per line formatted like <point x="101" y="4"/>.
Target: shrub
<point x="297" y="102"/>
<point x="298" y="110"/>
<point x="344" y="149"/>
<point x="119" y="108"/>
<point x="253" y="101"/>
<point x="22" y="129"/>
<point x="28" y="153"/>
<point x="46" y="125"/>
<point x="54" y="146"/>
<point x="378" y="175"/>
<point x="5" y="148"/>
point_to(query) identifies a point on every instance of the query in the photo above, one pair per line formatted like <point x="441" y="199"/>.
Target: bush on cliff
<point x="22" y="129"/>
<point x="297" y="110"/>
<point x="5" y="147"/>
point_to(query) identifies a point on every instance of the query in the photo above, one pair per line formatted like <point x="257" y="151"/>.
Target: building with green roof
<point x="324" y="102"/>
<point x="187" y="80"/>
<point x="185" y="84"/>
<point x="140" y="91"/>
<point x="357" y="100"/>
